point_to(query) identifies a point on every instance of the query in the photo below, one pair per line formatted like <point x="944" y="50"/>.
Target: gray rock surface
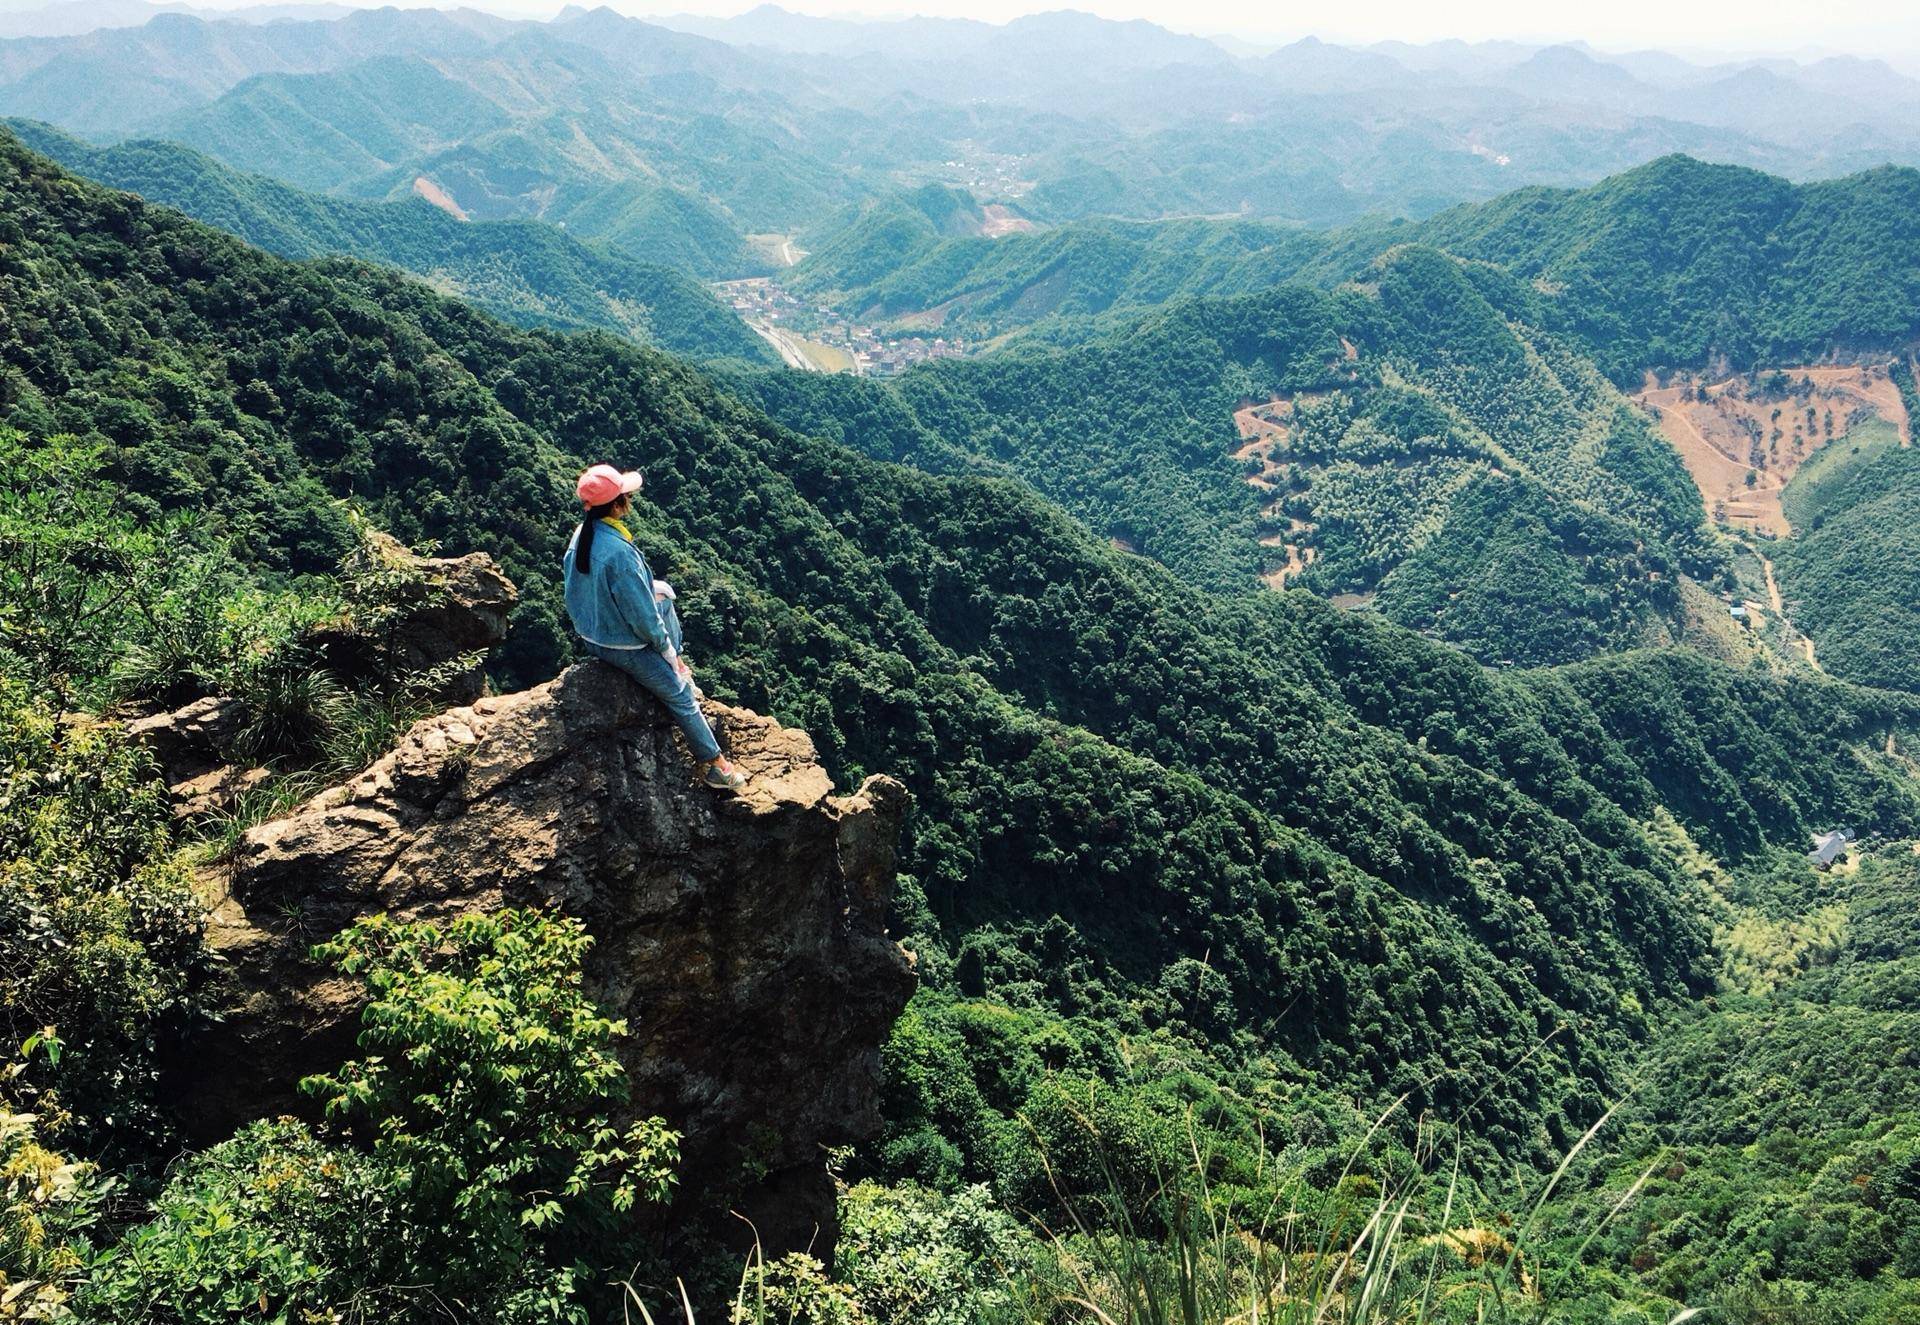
<point x="190" y="745"/>
<point x="740" y="934"/>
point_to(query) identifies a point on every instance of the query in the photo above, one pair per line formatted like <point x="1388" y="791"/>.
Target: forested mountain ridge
<point x="1406" y="436"/>
<point x="1369" y="490"/>
<point x="1270" y="841"/>
<point x="549" y="127"/>
<point x="1674" y="264"/>
<point x="525" y="272"/>
<point x="1680" y="263"/>
<point x="1068" y="119"/>
<point x="1081" y="270"/>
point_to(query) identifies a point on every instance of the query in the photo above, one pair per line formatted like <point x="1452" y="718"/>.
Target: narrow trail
<point x="1779" y="605"/>
<point x="1773" y="589"/>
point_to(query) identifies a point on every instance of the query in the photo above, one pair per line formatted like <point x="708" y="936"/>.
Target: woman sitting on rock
<point x="627" y="617"/>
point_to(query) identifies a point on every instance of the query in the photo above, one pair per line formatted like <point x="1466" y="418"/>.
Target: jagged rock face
<point x="741" y="935"/>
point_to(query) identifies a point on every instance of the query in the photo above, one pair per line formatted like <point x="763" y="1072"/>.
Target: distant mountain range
<point x="1675" y="263"/>
<point x="679" y="139"/>
<point x="525" y="272"/>
<point x="72" y="18"/>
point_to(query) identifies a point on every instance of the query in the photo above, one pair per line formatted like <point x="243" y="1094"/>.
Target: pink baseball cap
<point x="602" y="483"/>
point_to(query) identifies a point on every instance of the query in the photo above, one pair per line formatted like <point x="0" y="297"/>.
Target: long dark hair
<point x="583" y="547"/>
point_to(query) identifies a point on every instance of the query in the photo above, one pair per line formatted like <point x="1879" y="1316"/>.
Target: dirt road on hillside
<point x="1779" y="606"/>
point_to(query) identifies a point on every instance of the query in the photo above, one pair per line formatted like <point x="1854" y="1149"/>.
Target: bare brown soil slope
<point x="1763" y="426"/>
<point x="998" y="219"/>
<point x="439" y="197"/>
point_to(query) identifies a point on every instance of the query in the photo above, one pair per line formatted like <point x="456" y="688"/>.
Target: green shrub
<point x="793" y="1290"/>
<point x="100" y="936"/>
<point x="1090" y="1144"/>
<point x="914" y="1257"/>
<point x="274" y="1225"/>
<point x="480" y="1171"/>
<point x="48" y="1206"/>
<point x="485" y="1090"/>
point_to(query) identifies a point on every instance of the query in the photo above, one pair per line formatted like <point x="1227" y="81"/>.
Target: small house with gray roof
<point x="1829" y="847"/>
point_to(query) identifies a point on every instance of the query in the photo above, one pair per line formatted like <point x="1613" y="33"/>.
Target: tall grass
<point x="1420" y="1249"/>
<point x="1426" y="1247"/>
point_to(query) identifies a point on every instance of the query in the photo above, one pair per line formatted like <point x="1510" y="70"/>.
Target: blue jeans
<point x="657" y="674"/>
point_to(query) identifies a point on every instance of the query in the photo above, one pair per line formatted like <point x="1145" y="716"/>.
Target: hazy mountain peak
<point x="1132" y="40"/>
<point x="1313" y="65"/>
<point x="1569" y="73"/>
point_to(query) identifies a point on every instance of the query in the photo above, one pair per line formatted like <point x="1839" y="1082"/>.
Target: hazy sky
<point x="1887" y="28"/>
<point x="1863" y="26"/>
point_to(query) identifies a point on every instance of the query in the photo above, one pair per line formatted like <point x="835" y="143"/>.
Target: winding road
<point x="1779" y="605"/>
<point x="789" y="349"/>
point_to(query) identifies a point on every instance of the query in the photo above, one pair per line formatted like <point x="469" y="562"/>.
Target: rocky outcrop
<point x="438" y="617"/>
<point x="190" y="746"/>
<point x="443" y="613"/>
<point x="740" y="935"/>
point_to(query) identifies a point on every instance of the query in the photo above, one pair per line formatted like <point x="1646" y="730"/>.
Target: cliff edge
<point x="742" y="936"/>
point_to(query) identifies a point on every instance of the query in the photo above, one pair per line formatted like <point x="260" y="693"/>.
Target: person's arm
<point x="632" y="588"/>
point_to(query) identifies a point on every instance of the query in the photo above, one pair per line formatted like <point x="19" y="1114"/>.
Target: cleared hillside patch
<point x="1743" y="438"/>
<point x="439" y="197"/>
<point x="1263" y="430"/>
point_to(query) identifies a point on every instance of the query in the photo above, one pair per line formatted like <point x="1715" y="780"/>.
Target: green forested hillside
<point x="873" y="239"/>
<point x="660" y="225"/>
<point x="1400" y="393"/>
<point x="108" y="80"/>
<point x="887" y="261"/>
<point x="1854" y="572"/>
<point x="322" y="130"/>
<point x="1674" y="263"/>
<point x="1778" y="1131"/>
<point x="524" y="271"/>
<point x="1681" y="264"/>
<point x="1850" y="572"/>
<point x="370" y="130"/>
<point x="1075" y="271"/>
<point x="1677" y="263"/>
<point x="1194" y="848"/>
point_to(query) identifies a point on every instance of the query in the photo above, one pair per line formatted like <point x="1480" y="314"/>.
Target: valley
<point x="819" y="339"/>
<point x="1320" y="645"/>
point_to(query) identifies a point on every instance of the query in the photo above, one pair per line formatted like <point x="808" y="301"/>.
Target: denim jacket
<point x="612" y="604"/>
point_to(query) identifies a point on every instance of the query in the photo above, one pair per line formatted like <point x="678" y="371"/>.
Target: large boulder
<point x="742" y="935"/>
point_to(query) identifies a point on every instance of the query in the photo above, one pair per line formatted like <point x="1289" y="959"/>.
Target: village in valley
<point x="817" y="338"/>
